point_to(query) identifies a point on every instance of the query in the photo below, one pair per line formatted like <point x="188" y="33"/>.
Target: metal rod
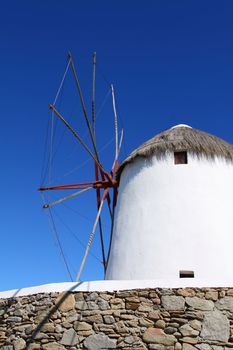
<point x="83" y="106"/>
<point x="96" y="167"/>
<point x="112" y="225"/>
<point x="94" y="184"/>
<point x="100" y="222"/>
<point x="91" y="236"/>
<point x="115" y="123"/>
<point x="49" y="205"/>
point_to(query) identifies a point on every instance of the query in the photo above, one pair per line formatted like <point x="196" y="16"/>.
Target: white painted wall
<point x="174" y="217"/>
<point x="111" y="286"/>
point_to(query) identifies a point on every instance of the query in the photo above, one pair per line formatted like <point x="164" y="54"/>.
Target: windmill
<point x="104" y="182"/>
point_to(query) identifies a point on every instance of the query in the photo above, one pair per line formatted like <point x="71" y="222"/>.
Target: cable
<point x="76" y="237"/>
<point x="52" y="123"/>
<point x="54" y="230"/>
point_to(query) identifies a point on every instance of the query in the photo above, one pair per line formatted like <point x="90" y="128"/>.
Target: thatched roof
<point x="182" y="138"/>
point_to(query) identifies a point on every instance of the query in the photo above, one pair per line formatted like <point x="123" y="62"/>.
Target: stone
<point x="187" y="330"/>
<point x="72" y="318"/>
<point x="103" y="304"/>
<point x="230" y="292"/>
<point x="81" y="305"/>
<point x="203" y="346"/>
<point x="189" y="340"/>
<point x="200" y="304"/>
<point x="105" y="328"/>
<point x="48" y="328"/>
<point x="66" y="324"/>
<point x="117" y="303"/>
<point x="195" y="324"/>
<point x="92" y="297"/>
<point x="18" y="312"/>
<point x="131" y="306"/>
<point x="132" y="323"/>
<point x="156" y="335"/>
<point x="180" y="320"/>
<point x="173" y="302"/>
<point x="133" y="299"/>
<point x="130" y="339"/>
<point x="145" y="307"/>
<point x="174" y="324"/>
<point x="94" y="318"/>
<point x="212" y="295"/>
<point x="170" y="330"/>
<point x="144" y="322"/>
<point x="187" y="346"/>
<point x="186" y="292"/>
<point x="14" y="319"/>
<point x="109" y="319"/>
<point x="99" y="342"/>
<point x="53" y="346"/>
<point x="156" y="347"/>
<point x="70" y="337"/>
<point x="40" y="317"/>
<point x="225" y="303"/>
<point x="178" y="346"/>
<point x="154" y="315"/>
<point x="160" y="324"/>
<point x="33" y="346"/>
<point x="40" y="336"/>
<point x="215" y="326"/>
<point x="2" y="335"/>
<point x="7" y="347"/>
<point x="19" y="344"/>
<point x="120" y="327"/>
<point x="82" y="326"/>
<point x="127" y="317"/>
<point x="218" y="347"/>
<point x="92" y="305"/>
<point x="58" y="328"/>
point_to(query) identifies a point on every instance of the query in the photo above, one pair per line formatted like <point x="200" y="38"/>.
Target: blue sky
<point x="171" y="62"/>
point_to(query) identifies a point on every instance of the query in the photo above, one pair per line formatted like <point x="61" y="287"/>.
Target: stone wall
<point x="172" y="319"/>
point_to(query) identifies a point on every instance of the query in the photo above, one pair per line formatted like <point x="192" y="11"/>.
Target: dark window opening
<point x="180" y="157"/>
<point x="186" y="274"/>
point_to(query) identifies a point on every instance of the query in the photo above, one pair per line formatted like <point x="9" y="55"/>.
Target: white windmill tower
<point x="174" y="211"/>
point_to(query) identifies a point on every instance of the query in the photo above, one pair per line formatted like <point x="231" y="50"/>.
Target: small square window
<point x="186" y="274"/>
<point x="180" y="157"/>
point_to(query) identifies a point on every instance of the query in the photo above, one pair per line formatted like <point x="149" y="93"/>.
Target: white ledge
<point x="114" y="285"/>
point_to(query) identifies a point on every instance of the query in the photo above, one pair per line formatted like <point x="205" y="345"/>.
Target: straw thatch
<point x="182" y="138"/>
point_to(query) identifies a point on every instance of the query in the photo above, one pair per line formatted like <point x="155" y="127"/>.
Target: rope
<point x="54" y="230"/>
